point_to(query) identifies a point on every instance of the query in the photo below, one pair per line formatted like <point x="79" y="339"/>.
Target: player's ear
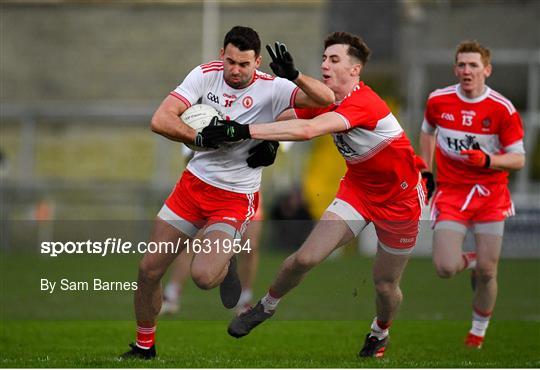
<point x="488" y="70"/>
<point x="221" y="53"/>
<point x="356" y="70"/>
<point x="258" y="61"/>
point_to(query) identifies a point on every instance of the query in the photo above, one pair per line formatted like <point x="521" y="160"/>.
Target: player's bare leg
<point x="488" y="249"/>
<point x="216" y="265"/>
<point x="447" y="253"/>
<point x="151" y="269"/>
<point x="248" y="264"/>
<point x="330" y="233"/>
<point x="148" y="296"/>
<point x="387" y="271"/>
<point x="173" y="290"/>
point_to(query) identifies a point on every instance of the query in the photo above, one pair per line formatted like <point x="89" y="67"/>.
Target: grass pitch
<point x="276" y="344"/>
<point x="321" y="324"/>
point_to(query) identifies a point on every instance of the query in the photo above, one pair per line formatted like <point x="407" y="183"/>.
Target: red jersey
<point x="489" y="120"/>
<point x="380" y="158"/>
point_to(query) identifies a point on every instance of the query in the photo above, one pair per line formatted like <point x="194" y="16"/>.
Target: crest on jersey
<point x="247" y="102"/>
<point x="486" y="122"/>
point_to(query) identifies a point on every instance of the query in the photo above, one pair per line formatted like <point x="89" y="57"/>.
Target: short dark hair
<point x="357" y="47"/>
<point x="244" y="38"/>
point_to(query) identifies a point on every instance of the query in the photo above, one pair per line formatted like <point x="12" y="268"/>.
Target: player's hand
<point x="208" y="140"/>
<point x="220" y="131"/>
<point x="282" y="62"/>
<point x="476" y="157"/>
<point x="263" y="154"/>
<point x="429" y="182"/>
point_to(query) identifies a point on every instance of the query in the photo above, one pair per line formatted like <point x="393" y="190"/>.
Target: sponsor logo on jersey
<point x="404" y="185"/>
<point x="448" y="117"/>
<point x="458" y="145"/>
<point x="344" y="148"/>
<point x="247" y="102"/>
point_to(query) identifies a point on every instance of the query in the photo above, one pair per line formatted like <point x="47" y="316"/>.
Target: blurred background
<point x="79" y="81"/>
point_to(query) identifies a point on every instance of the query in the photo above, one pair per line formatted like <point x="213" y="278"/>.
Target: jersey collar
<point x="355" y="88"/>
<point x="475" y="100"/>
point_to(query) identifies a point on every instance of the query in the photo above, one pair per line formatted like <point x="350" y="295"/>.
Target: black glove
<point x="282" y="62"/>
<point x="427" y="177"/>
<point x="263" y="154"/>
<point x="220" y="131"/>
<point x="207" y="141"/>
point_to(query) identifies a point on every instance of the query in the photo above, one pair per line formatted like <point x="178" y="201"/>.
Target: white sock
<point x="245" y="297"/>
<point x="377" y="331"/>
<point x="172" y="292"/>
<point x="269" y="303"/>
<point x="479" y="324"/>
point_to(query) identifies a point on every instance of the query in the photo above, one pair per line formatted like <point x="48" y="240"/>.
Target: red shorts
<point x="396" y="223"/>
<point x="199" y="204"/>
<point x="259" y="214"/>
<point x="468" y="204"/>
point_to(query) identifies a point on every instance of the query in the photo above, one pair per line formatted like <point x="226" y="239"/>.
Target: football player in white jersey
<point x="218" y="192"/>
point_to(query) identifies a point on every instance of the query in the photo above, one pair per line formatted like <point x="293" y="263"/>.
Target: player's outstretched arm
<point x="298" y="129"/>
<point x="290" y="130"/>
<point x="313" y="93"/>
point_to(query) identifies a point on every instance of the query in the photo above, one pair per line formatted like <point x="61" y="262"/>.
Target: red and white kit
<point x="224" y="172"/>
<point x="466" y="193"/>
<point x="382" y="182"/>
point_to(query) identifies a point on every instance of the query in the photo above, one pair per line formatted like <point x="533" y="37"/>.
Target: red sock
<point x="146" y="336"/>
<point x="274" y="294"/>
<point x="384" y="324"/>
<point x="484" y="314"/>
<point x="469" y="260"/>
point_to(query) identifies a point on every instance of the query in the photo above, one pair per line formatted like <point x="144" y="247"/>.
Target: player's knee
<point x="204" y="279"/>
<point x="149" y="273"/>
<point x="304" y="261"/>
<point x="486" y="272"/>
<point x="445" y="270"/>
<point x="386" y="287"/>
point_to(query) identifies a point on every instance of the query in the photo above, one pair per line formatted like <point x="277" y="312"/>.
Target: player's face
<point x="339" y="71"/>
<point x="239" y="66"/>
<point x="471" y="73"/>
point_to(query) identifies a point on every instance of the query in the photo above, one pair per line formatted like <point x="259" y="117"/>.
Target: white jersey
<point x="262" y="101"/>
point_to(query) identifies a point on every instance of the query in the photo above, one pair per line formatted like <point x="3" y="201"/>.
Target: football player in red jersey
<point x="477" y="136"/>
<point x="382" y="185"/>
